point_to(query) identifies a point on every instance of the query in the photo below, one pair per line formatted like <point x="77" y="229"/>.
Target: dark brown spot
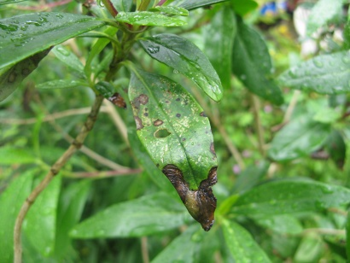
<point x="143" y="99"/>
<point x="117" y="100"/>
<point x="145" y="114"/>
<point x="157" y="122"/>
<point x="139" y="124"/>
<point x="183" y="139"/>
<point x="202" y="114"/>
<point x="212" y="150"/>
<point x="178" y="115"/>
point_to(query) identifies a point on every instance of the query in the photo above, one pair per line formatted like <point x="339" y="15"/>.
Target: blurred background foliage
<point x="35" y="125"/>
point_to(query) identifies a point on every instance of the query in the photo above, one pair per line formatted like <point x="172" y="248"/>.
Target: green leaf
<point x="193" y="4"/>
<point x="11" y="201"/>
<point x="25" y="35"/>
<point x="284" y="224"/>
<point x="170" y="10"/>
<point x="62" y="84"/>
<point x="40" y="222"/>
<point x="7" y="2"/>
<point x="323" y="12"/>
<point x="183" y="56"/>
<point x="11" y="155"/>
<point x="347" y="228"/>
<point x="181" y="249"/>
<point x="68" y="58"/>
<point x="146" y="18"/>
<point x="11" y="78"/>
<point x="122" y="5"/>
<point x="310" y="249"/>
<point x="243" y="7"/>
<point x="70" y="209"/>
<point x="251" y="63"/>
<point x="219" y="38"/>
<point x="290" y="196"/>
<point x="326" y="74"/>
<point x="177" y="135"/>
<point x="105" y="88"/>
<point x="298" y="138"/>
<point x="241" y="244"/>
<point x="147" y="215"/>
<point x="336" y="148"/>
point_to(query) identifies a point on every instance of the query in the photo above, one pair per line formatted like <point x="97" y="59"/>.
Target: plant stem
<point x="110" y="7"/>
<point x="259" y="127"/>
<point x="55" y="168"/>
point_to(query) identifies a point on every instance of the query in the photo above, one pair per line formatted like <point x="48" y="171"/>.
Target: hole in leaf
<point x="162" y="133"/>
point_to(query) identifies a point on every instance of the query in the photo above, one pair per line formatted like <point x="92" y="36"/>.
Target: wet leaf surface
<point x="251" y="63"/>
<point x="147" y="215"/>
<point x="149" y="19"/>
<point x="25" y="35"/>
<point x="290" y="196"/>
<point x="193" y="4"/>
<point x="185" y="57"/>
<point x="177" y="135"/>
<point x="170" y="10"/>
<point x="325" y="74"/>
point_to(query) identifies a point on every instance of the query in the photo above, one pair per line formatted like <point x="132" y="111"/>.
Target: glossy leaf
<point x="147" y="215"/>
<point x="122" y="5"/>
<point x="336" y="148"/>
<point x="241" y="244"/>
<point x="323" y="12"/>
<point x="146" y="18"/>
<point x="12" y="155"/>
<point x="181" y="249"/>
<point x="177" y="135"/>
<point x="25" y="35"/>
<point x="172" y="126"/>
<point x="170" y="10"/>
<point x="193" y="4"/>
<point x="290" y="196"/>
<point x="40" y="223"/>
<point x="219" y="36"/>
<point x="105" y="88"/>
<point x="68" y="58"/>
<point x="284" y="224"/>
<point x="243" y="7"/>
<point x="62" y="84"/>
<point x="183" y="56"/>
<point x="251" y="63"/>
<point x="11" y="201"/>
<point x="298" y="138"/>
<point x="69" y="211"/>
<point x="11" y="78"/>
<point x="325" y="74"/>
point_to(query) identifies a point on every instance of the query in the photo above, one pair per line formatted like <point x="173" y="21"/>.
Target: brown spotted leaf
<point x="177" y="134"/>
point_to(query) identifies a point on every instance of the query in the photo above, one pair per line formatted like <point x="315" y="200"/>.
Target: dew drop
<point x="318" y="63"/>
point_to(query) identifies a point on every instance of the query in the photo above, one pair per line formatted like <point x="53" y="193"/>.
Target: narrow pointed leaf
<point x="68" y="58"/>
<point x="185" y="57"/>
<point x="326" y="74"/>
<point x="298" y="139"/>
<point x="241" y="244"/>
<point x="40" y="224"/>
<point x="290" y="196"/>
<point x="13" y="77"/>
<point x="193" y="4"/>
<point x="219" y="36"/>
<point x="177" y="135"/>
<point x="147" y="215"/>
<point x="146" y="18"/>
<point x="25" y="35"/>
<point x="62" y="84"/>
<point x="122" y="5"/>
<point x="251" y="63"/>
<point x="11" y="201"/>
<point x="243" y="7"/>
<point x="170" y="10"/>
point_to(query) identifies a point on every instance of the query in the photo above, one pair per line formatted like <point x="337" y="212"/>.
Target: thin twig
<point x="50" y="117"/>
<point x="259" y="127"/>
<point x="144" y="250"/>
<point x="76" y="144"/>
<point x="105" y="174"/>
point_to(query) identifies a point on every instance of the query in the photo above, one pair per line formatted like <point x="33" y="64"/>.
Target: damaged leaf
<point x="172" y="127"/>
